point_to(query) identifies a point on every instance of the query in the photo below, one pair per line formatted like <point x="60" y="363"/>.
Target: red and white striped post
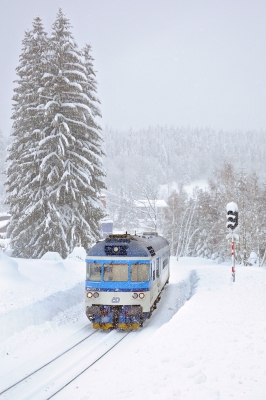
<point x="232" y="223"/>
<point x="233" y="259"/>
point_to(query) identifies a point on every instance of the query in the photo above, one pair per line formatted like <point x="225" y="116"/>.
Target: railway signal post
<point x="232" y="223"/>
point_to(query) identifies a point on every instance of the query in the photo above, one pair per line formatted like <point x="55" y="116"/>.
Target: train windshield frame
<point x="118" y="271"/>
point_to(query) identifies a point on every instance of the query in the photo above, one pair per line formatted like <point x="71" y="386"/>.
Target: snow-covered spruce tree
<point x="71" y="173"/>
<point x="57" y="150"/>
<point x="90" y="86"/>
<point x="23" y="171"/>
<point x="93" y="142"/>
<point x="2" y="167"/>
<point x="2" y="152"/>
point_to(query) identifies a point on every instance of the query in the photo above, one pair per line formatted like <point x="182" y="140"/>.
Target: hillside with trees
<point x="232" y="165"/>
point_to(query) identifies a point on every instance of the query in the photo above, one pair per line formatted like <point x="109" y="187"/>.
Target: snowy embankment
<point x="214" y="348"/>
<point x="39" y="297"/>
<point x="205" y="341"/>
<point x="35" y="291"/>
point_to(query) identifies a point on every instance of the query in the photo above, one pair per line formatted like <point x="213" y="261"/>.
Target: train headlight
<point x="95" y="295"/>
<point x="89" y="295"/>
<point x="141" y="295"/>
<point x="135" y="295"/>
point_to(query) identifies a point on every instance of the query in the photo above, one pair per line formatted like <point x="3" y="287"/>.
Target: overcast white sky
<point x="182" y="62"/>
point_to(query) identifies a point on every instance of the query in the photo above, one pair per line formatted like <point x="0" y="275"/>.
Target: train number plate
<point x="115" y="299"/>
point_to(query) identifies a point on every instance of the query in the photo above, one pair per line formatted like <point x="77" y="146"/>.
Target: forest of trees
<point x="196" y="226"/>
<point x="139" y="164"/>
<point x="175" y="157"/>
<point x="55" y="173"/>
<point x="179" y="154"/>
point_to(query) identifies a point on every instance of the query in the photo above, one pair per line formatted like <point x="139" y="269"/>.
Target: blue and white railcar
<point x="125" y="275"/>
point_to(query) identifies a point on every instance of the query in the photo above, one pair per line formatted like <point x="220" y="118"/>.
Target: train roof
<point x="127" y="245"/>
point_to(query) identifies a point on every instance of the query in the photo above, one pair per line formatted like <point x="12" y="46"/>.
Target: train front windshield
<point x="139" y="272"/>
<point x="115" y="272"/>
<point x="93" y="272"/>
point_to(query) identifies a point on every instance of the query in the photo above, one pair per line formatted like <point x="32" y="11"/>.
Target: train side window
<point x="93" y="272"/>
<point x="157" y="268"/>
<point x="115" y="272"/>
<point x="153" y="275"/>
<point x="139" y="272"/>
<point x="165" y="262"/>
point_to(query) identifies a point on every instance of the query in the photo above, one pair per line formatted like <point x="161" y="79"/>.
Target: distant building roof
<point x="147" y="203"/>
<point x="4" y="221"/>
<point x="4" y="215"/>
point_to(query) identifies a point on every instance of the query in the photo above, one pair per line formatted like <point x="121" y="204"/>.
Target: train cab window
<point x="139" y="272"/>
<point x="93" y="272"/>
<point x="115" y="272"/>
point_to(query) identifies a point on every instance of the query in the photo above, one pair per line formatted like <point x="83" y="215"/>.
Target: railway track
<point x="52" y="376"/>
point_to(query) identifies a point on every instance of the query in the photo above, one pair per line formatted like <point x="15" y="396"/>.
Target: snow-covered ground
<point x="205" y="341"/>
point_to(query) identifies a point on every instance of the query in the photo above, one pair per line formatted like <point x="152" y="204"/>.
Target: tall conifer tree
<point x="2" y="168"/>
<point x="23" y="171"/>
<point x="65" y="206"/>
<point x="71" y="166"/>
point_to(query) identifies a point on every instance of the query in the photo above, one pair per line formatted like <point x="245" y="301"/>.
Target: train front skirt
<point x="121" y="317"/>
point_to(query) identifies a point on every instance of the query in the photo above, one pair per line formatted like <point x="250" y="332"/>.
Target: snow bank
<point x="51" y="255"/>
<point x="35" y="291"/>
<point x="211" y="347"/>
<point x="4" y="242"/>
<point x="253" y="258"/>
<point x="78" y="254"/>
<point x="9" y="273"/>
<point x="40" y="311"/>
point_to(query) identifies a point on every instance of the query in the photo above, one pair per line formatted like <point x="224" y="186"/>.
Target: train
<point x="125" y="276"/>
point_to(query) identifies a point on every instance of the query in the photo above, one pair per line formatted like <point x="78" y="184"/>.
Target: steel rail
<point x="72" y="370"/>
<point x="89" y="366"/>
<point x="47" y="363"/>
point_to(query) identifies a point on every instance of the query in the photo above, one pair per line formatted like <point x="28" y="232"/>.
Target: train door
<point x="154" y="287"/>
<point x="158" y="275"/>
<point x="156" y="278"/>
